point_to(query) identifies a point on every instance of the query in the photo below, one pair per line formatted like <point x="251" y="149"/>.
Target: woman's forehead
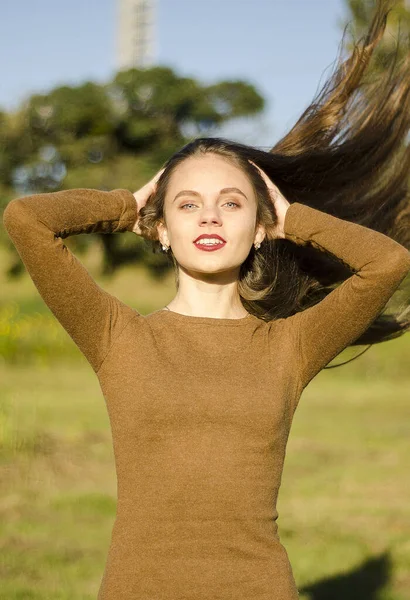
<point x="198" y="169"/>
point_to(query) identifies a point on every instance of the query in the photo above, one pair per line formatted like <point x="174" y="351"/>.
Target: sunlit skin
<point x="208" y="280"/>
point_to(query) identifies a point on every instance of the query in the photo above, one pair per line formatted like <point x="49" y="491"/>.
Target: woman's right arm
<point x="378" y="265"/>
<point x="37" y="225"/>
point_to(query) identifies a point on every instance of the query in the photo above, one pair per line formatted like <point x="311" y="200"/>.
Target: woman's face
<point x="209" y="195"/>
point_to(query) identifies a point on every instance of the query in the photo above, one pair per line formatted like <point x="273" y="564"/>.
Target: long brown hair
<point x="348" y="156"/>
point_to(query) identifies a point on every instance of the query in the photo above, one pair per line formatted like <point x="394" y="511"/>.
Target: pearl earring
<point x="257" y="246"/>
<point x="165" y="248"/>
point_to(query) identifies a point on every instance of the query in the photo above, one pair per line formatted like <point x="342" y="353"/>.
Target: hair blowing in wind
<point x="347" y="155"/>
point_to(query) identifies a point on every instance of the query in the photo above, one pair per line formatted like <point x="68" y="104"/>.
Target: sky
<point x="285" y="48"/>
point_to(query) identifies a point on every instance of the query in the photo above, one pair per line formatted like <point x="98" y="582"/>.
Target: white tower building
<point x="136" y="44"/>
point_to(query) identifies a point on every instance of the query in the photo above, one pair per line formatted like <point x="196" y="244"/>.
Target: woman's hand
<point x="142" y="195"/>
<point x="279" y="201"/>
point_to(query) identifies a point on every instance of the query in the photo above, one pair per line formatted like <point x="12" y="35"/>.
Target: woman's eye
<point x="190" y="204"/>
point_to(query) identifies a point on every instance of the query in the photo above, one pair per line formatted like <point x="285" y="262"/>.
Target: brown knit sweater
<point x="200" y="408"/>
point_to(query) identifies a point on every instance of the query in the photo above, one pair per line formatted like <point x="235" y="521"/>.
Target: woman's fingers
<point x="279" y="201"/>
<point x="269" y="182"/>
<point x="157" y="176"/>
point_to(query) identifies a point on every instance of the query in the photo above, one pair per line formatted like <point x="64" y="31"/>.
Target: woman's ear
<point x="260" y="234"/>
<point x="162" y="234"/>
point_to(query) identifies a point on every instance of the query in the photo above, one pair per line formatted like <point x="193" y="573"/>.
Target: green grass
<point x="343" y="500"/>
<point x="346" y="485"/>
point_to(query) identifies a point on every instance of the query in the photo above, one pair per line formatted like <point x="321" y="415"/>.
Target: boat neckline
<point x="210" y="320"/>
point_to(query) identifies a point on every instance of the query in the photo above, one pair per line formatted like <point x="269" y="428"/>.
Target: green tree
<point x="112" y="136"/>
<point x="358" y="18"/>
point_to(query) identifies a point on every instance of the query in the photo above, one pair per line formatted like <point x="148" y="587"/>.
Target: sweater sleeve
<point x="37" y="225"/>
<point x="378" y="263"/>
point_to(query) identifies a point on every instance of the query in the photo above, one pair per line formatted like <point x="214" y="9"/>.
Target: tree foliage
<point x="114" y="135"/>
<point x="397" y="35"/>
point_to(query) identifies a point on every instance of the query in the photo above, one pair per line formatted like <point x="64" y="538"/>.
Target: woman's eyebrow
<point x="228" y="190"/>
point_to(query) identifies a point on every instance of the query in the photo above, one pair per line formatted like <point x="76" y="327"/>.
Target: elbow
<point x="16" y="217"/>
<point x="11" y="211"/>
<point x="400" y="263"/>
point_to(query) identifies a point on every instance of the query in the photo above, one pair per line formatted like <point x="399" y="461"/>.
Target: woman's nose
<point x="210" y="215"/>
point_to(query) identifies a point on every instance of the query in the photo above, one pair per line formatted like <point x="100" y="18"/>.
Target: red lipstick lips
<point x="210" y="235"/>
<point x="212" y="246"/>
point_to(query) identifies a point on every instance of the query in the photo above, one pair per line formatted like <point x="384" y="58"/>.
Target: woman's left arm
<point x="379" y="265"/>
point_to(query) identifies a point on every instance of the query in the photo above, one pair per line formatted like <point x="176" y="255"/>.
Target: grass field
<point x="344" y="510"/>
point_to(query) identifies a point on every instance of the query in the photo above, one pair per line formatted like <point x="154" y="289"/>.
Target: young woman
<point x="201" y="394"/>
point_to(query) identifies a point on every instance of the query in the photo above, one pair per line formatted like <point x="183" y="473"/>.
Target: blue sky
<point x="284" y="47"/>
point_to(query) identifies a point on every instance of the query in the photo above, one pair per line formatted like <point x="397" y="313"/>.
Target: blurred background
<point x="98" y="94"/>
